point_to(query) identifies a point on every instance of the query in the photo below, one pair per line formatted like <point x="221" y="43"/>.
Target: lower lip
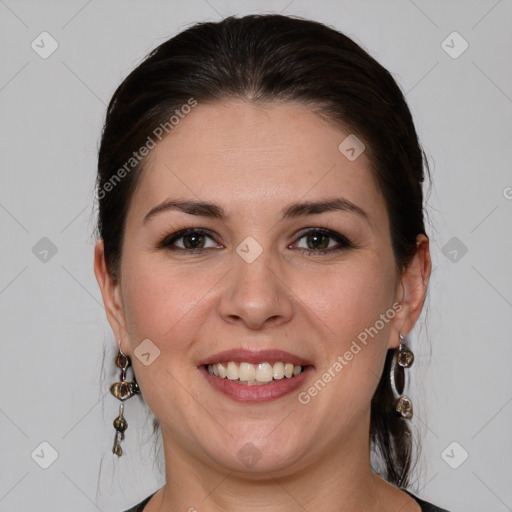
<point x="256" y="393"/>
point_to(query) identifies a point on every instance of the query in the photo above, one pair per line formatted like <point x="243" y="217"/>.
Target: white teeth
<point x="264" y="372"/>
<point x="232" y="372"/>
<point x="254" y="374"/>
<point x="278" y="370"/>
<point x="221" y="369"/>
<point x="247" y="372"/>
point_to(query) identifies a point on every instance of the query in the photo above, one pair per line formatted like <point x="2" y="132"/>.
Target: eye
<point x="321" y="241"/>
<point x="194" y="240"/>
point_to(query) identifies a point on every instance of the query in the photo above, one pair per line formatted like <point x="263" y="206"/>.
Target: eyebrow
<point x="294" y="210"/>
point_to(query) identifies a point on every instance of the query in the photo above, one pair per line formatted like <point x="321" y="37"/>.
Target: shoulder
<point x="425" y="506"/>
<point x="140" y="506"/>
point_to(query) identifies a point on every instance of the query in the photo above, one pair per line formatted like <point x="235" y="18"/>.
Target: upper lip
<point x="255" y="357"/>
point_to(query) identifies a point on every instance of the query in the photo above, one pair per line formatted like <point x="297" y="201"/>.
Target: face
<point x="252" y="241"/>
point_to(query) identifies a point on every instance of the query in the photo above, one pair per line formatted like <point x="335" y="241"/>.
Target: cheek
<point x="165" y="302"/>
<point x="168" y="307"/>
<point x="161" y="301"/>
<point x="355" y="314"/>
<point x="351" y="298"/>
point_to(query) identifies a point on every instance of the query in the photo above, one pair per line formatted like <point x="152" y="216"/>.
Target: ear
<point x="411" y="291"/>
<point x="111" y="293"/>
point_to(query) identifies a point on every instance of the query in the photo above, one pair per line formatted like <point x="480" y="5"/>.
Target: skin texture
<point x="253" y="160"/>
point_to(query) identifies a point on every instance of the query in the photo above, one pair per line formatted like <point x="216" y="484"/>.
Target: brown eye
<point x="193" y="241"/>
<point x="190" y="240"/>
<point x="321" y="241"/>
<point x="317" y="241"/>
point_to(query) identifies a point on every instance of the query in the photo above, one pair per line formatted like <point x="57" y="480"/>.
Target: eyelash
<point x="343" y="241"/>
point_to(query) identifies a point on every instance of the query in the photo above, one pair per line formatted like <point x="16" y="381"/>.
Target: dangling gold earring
<point x="403" y="359"/>
<point x="122" y="391"/>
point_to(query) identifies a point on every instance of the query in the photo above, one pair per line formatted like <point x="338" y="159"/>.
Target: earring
<point x="403" y="359"/>
<point x="122" y="391"/>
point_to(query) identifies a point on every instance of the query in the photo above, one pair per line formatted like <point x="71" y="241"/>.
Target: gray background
<point x="53" y="326"/>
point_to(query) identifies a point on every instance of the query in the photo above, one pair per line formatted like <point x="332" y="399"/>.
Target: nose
<point x="255" y="295"/>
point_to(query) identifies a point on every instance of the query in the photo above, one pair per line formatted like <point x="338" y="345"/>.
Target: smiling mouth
<point x="254" y="374"/>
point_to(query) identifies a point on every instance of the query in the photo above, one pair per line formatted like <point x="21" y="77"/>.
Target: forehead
<point x="251" y="156"/>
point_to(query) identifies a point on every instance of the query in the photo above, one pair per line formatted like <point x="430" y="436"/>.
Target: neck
<point x="340" y="479"/>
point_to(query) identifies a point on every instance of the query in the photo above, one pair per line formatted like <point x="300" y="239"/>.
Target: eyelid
<point x="168" y="241"/>
<point x="324" y="231"/>
<point x="342" y="241"/>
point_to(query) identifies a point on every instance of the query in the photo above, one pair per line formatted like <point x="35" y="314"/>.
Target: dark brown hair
<point x="267" y="58"/>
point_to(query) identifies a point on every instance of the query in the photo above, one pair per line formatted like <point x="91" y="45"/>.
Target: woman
<point x="262" y="258"/>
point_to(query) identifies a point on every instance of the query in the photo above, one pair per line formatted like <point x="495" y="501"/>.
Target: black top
<point x="425" y="507"/>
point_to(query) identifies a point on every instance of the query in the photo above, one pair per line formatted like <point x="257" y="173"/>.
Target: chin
<point x="253" y="456"/>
